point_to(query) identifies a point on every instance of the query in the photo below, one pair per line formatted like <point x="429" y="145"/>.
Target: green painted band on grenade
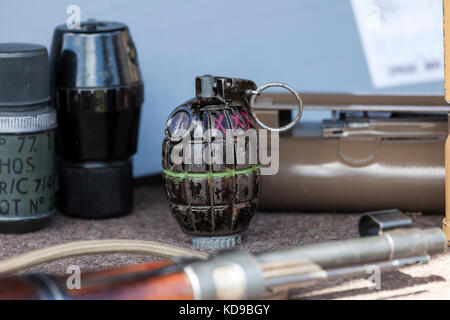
<point x="206" y="175"/>
<point x="27" y="175"/>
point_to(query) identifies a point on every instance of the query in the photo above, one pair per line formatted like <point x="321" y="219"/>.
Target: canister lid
<point x="24" y="74"/>
<point x="94" y="26"/>
<point x="97" y="55"/>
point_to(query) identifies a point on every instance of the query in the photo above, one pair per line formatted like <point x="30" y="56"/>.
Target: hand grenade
<point x="213" y="190"/>
<point x="212" y="202"/>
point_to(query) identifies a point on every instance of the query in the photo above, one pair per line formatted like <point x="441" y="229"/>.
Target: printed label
<point x="402" y="40"/>
<point x="27" y="175"/>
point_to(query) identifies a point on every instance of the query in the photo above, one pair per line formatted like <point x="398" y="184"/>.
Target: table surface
<point x="152" y="220"/>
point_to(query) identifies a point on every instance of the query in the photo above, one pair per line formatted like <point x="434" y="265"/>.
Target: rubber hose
<point x="78" y="248"/>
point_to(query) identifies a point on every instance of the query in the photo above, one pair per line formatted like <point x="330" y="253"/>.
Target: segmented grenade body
<point x="212" y="194"/>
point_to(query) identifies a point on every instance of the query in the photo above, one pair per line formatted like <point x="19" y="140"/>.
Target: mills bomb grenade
<point x="98" y="93"/>
<point x="27" y="139"/>
<point x="213" y="202"/>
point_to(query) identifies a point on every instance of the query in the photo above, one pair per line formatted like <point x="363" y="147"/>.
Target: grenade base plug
<point x="217" y="242"/>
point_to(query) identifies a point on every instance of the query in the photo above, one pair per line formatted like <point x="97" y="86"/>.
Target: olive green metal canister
<point x="27" y="139"/>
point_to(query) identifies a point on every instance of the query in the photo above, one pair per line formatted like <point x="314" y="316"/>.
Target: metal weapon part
<point x="236" y="274"/>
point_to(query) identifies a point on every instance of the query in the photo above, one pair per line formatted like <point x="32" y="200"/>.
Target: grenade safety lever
<point x="233" y="89"/>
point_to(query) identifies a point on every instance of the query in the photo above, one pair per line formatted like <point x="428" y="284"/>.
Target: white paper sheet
<point x="402" y="40"/>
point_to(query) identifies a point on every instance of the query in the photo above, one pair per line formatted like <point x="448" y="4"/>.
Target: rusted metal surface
<point x="208" y="198"/>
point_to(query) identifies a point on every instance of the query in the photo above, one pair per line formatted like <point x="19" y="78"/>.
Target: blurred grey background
<point x="313" y="45"/>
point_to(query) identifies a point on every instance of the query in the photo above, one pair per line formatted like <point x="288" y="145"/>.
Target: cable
<point x="90" y="247"/>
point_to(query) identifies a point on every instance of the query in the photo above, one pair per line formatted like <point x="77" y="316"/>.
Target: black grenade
<point x="213" y="201"/>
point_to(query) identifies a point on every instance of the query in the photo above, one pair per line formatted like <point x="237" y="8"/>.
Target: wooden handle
<point x="165" y="287"/>
<point x="17" y="288"/>
<point x="123" y="283"/>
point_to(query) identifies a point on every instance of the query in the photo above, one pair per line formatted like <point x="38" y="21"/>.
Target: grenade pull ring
<point x="255" y="93"/>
